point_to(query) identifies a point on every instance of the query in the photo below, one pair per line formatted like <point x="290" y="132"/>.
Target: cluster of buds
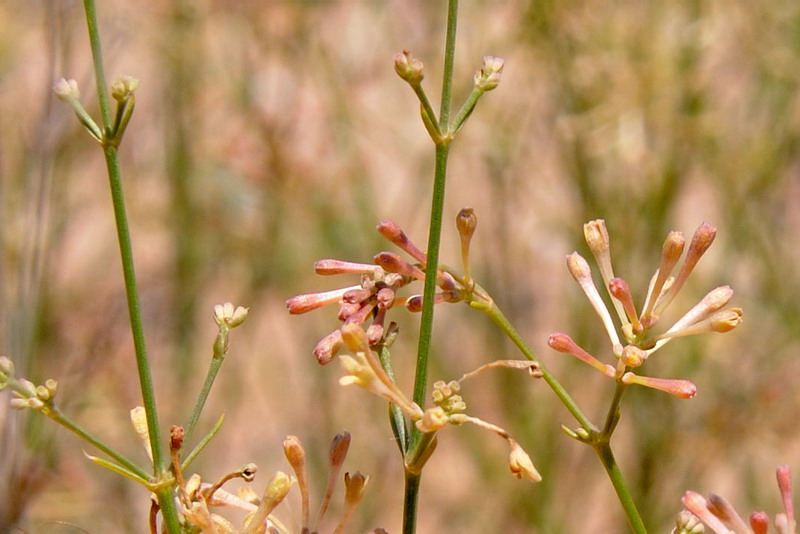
<point x="367" y="303"/>
<point x="638" y="341"/>
<point x="197" y="497"/>
<point x="719" y="515"/>
<point x="26" y="393"/>
<point x="121" y="91"/>
<point x="408" y="67"/>
<point x="488" y="77"/>
<point x="364" y="369"/>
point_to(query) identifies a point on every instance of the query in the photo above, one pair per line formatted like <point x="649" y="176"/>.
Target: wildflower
<point x="368" y="303"/>
<point x="634" y="341"/>
<point x="488" y="77"/>
<point x="227" y="315"/>
<point x="718" y="514"/>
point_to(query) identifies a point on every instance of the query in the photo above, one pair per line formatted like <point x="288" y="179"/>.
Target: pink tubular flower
<point x="718" y="514"/>
<point x="632" y="337"/>
<point x="367" y="304"/>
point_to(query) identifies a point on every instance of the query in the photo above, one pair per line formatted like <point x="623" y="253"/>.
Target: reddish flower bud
<point x="393" y="233"/>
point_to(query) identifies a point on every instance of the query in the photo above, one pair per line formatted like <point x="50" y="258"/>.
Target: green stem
<point x="211" y="376"/>
<point x="410" y="503"/>
<point x="160" y="462"/>
<point x="500" y="320"/>
<point x="54" y="413"/>
<point x="465" y="111"/>
<point x="426" y="105"/>
<point x="606" y="456"/>
<point x="434" y="237"/>
<point x="449" y="59"/>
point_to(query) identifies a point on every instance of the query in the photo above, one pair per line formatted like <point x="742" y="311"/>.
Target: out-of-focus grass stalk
<point x="160" y="461"/>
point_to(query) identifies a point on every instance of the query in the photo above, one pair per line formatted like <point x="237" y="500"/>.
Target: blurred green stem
<point x="160" y="462"/>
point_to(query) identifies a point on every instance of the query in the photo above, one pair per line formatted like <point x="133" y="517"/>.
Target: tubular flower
<point x="367" y="303"/>
<point x="631" y="336"/>
<point x="718" y="514"/>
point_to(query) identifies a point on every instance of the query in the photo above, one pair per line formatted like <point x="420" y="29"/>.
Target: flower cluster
<point x="196" y="497"/>
<point x="718" y="514"/>
<point x="367" y="303"/>
<point x="26" y="393"/>
<point x="638" y="341"/>
<point x="364" y="369"/>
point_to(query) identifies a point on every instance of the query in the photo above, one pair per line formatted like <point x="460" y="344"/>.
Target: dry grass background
<point x="271" y="133"/>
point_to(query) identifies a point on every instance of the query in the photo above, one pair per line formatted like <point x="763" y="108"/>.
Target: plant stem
<point x="606" y="456"/>
<point x="412" y="480"/>
<point x="410" y="503"/>
<point x="449" y="59"/>
<point x="569" y="403"/>
<point x="54" y="413"/>
<point x="160" y="462"/>
<point x="211" y="376"/>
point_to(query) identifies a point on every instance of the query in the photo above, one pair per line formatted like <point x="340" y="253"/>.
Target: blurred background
<point x="271" y="133"/>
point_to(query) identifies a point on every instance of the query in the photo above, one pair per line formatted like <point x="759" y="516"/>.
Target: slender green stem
<point x="412" y="480"/>
<point x="160" y="461"/>
<point x="54" y="413"/>
<point x="426" y="105"/>
<point x="434" y="238"/>
<point x="126" y="253"/>
<point x="410" y="503"/>
<point x="500" y="320"/>
<point x="449" y="59"/>
<point x="606" y="456"/>
<point x="466" y="110"/>
<point x="97" y="55"/>
<point x="211" y="376"/>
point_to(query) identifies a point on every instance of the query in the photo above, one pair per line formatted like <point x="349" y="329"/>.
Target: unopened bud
<point x="6" y="366"/>
<point x="408" y="67"/>
<point x="328" y="346"/>
<point x="338" y="449"/>
<point x="392" y="263"/>
<point x="66" y="90"/>
<point x="488" y="77"/>
<point x="294" y="452"/>
<point x="633" y="356"/>
<point x="392" y="232"/>
<point x="123" y="87"/>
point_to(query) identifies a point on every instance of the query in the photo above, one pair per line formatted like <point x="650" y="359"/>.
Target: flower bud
<point x="488" y="77"/>
<point x="66" y="90"/>
<point x="123" y="88"/>
<point x="682" y="389"/>
<point x="392" y="263"/>
<point x="6" y="367"/>
<point x="392" y="232"/>
<point x="328" y="346"/>
<point x="408" y="67"/>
